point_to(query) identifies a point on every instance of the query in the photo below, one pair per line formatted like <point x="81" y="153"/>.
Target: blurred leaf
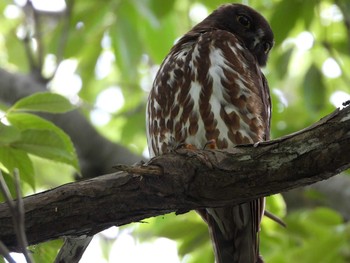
<point x="85" y="28"/>
<point x="192" y="242"/>
<point x="15" y="52"/>
<point x="144" y="9"/>
<point x="166" y="30"/>
<point x="284" y="18"/>
<point x="134" y="127"/>
<point x="43" y="101"/>
<point x="201" y="254"/>
<point x="308" y="12"/>
<point x="276" y="205"/>
<point x="90" y="54"/>
<point x="314" y="89"/>
<point x="212" y="4"/>
<point x="325" y="249"/>
<point x="36" y="130"/>
<point x="12" y="158"/>
<point x="8" y="134"/>
<point x="161" y="8"/>
<point x="283" y="62"/>
<point x="179" y="230"/>
<point x="125" y="40"/>
<point x="315" y="195"/>
<point x="46" y="252"/>
<point x="326" y="217"/>
<point x="188" y="230"/>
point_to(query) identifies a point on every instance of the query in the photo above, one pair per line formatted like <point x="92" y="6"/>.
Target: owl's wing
<point x="208" y="87"/>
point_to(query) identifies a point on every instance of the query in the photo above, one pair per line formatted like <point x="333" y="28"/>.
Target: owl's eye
<point x="244" y="21"/>
<point x="267" y="47"/>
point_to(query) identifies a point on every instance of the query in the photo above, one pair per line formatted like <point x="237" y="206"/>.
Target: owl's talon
<point x="211" y="144"/>
<point x="186" y="146"/>
<point x="256" y="144"/>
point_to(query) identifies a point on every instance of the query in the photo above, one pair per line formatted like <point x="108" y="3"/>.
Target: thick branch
<point x="186" y="180"/>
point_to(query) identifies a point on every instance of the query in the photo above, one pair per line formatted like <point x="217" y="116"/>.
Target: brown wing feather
<point x="208" y="80"/>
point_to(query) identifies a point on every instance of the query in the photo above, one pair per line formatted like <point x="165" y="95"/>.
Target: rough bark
<point x="185" y="180"/>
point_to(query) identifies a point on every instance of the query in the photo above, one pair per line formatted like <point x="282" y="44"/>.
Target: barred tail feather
<point x="234" y="231"/>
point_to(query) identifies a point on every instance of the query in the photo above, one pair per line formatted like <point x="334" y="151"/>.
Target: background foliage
<point x="102" y="57"/>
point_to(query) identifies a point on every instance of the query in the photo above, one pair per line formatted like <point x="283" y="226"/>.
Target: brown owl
<point x="210" y="88"/>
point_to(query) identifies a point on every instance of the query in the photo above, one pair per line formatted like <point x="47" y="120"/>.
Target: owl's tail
<point x="234" y="231"/>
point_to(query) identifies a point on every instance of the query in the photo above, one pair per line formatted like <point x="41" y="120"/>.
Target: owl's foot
<point x="186" y="146"/>
<point x="256" y="144"/>
<point x="211" y="144"/>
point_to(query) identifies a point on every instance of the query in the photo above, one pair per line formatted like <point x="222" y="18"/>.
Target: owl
<point x="210" y="87"/>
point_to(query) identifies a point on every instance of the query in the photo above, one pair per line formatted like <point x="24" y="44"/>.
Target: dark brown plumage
<point x="210" y="87"/>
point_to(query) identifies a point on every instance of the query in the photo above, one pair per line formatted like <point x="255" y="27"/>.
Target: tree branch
<point x="189" y="180"/>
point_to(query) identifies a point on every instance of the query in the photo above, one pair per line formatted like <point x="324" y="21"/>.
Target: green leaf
<point x="134" y="128"/>
<point x="289" y="13"/>
<point x="161" y="8"/>
<point x="46" y="144"/>
<point x="166" y="30"/>
<point x="308" y="12"/>
<point x="326" y="217"/>
<point x="11" y="158"/>
<point x="46" y="252"/>
<point x="63" y="150"/>
<point x="314" y="89"/>
<point x="283" y="62"/>
<point x="8" y="134"/>
<point x="43" y="101"/>
<point x="126" y="41"/>
<point x="276" y="205"/>
<point x="14" y="50"/>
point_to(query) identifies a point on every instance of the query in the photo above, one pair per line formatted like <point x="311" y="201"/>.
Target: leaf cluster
<point x="23" y="134"/>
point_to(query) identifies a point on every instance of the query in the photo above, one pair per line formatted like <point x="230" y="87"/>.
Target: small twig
<point x="155" y="170"/>
<point x="38" y="35"/>
<point x="62" y="41"/>
<point x="6" y="253"/>
<point x="6" y="192"/>
<point x="29" y="52"/>
<point x="33" y="63"/>
<point x="21" y="235"/>
<point x="275" y="218"/>
<point x="17" y="211"/>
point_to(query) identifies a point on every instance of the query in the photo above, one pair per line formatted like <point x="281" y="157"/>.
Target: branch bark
<point x="184" y="180"/>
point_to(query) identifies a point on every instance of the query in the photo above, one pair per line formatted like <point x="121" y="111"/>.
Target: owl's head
<point x="247" y="25"/>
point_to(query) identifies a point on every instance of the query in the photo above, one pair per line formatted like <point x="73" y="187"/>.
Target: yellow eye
<point x="244" y="21"/>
